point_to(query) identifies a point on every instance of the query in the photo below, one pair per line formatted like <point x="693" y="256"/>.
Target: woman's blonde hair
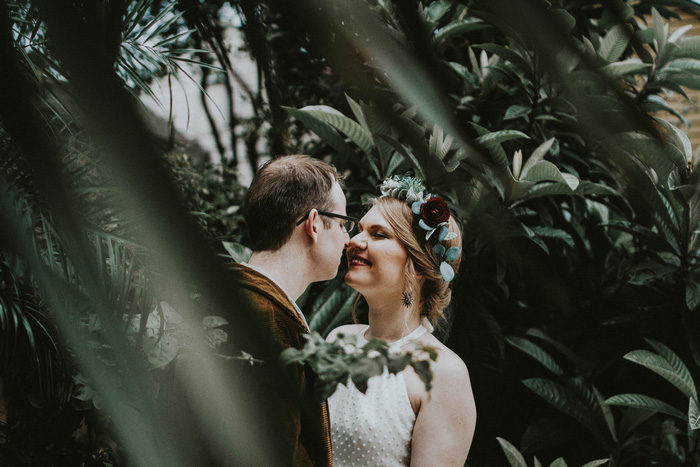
<point x="434" y="292"/>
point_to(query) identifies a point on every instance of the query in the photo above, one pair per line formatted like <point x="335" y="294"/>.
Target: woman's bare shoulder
<point x="348" y="329"/>
<point x="448" y="363"/>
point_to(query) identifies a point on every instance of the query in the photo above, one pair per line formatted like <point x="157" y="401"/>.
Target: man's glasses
<point x="348" y="224"/>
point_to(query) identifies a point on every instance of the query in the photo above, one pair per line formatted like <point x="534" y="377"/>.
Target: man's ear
<point x="311" y="225"/>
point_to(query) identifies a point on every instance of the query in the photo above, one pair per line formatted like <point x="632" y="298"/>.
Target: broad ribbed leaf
<point x="501" y="136"/>
<point x="693" y="414"/>
<point x="558" y="463"/>
<point x="494" y="147"/>
<point x="345" y="125"/>
<point x="325" y="131"/>
<point x="615" y="42"/>
<point x="677" y="364"/>
<point x="459" y="27"/>
<point x="512" y="454"/>
<point x="405" y="153"/>
<point x="663" y="368"/>
<point x="660" y="34"/>
<point x="596" y="463"/>
<point x="640" y="401"/>
<point x="508" y="54"/>
<point x="643" y="234"/>
<point x="551" y="232"/>
<point x="239" y="252"/>
<point x="332" y="308"/>
<point x="562" y="399"/>
<point x="537" y="155"/>
<point x="678" y="138"/>
<point x="359" y="114"/>
<point x="632" y="66"/>
<point x="689" y="47"/>
<point x="536" y="352"/>
<point x="692" y="294"/>
<point x="607" y="413"/>
<point x="662" y="157"/>
<point x="584" y="188"/>
<point x="516" y="111"/>
<point x="544" y="171"/>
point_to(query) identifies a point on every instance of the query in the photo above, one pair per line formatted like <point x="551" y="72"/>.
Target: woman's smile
<point x="358" y="260"/>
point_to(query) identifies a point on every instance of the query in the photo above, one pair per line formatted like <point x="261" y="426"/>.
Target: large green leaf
<point x="630" y="67"/>
<point x="332" y="308"/>
<point x="345" y="125"/>
<point x="510" y="55"/>
<point x="537" y="155"/>
<point x="607" y="413"/>
<point x="615" y="42"/>
<point x="642" y="233"/>
<point x="583" y="189"/>
<point x="459" y="27"/>
<point x="551" y="232"/>
<point x="406" y="154"/>
<point x="692" y="293"/>
<point x="596" y="463"/>
<point x="661" y="156"/>
<point x="678" y="366"/>
<point x="563" y="399"/>
<point x="694" y="414"/>
<point x="545" y="171"/>
<point x="641" y="401"/>
<point x="325" y="131"/>
<point x="680" y="140"/>
<point x="512" y="454"/>
<point x="689" y="47"/>
<point x="536" y="352"/>
<point x="663" y="368"/>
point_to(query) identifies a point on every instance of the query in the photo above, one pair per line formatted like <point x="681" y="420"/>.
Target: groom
<point x="298" y="228"/>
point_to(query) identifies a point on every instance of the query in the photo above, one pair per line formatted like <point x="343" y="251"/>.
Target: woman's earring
<point x="407" y="298"/>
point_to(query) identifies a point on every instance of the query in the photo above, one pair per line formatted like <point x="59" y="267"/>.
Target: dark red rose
<point x="435" y="211"/>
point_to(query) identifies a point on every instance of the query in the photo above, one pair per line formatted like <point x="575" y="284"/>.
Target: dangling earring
<point x="407" y="298"/>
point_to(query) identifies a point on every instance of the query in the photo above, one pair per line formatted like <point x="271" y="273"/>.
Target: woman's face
<point x="376" y="259"/>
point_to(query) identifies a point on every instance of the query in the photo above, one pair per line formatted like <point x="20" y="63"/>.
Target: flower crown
<point x="434" y="216"/>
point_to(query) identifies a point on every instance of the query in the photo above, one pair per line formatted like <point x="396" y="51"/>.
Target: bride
<point x="402" y="260"/>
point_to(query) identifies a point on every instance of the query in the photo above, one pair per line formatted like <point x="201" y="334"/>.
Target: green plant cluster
<point x="343" y="361"/>
<point x="577" y="200"/>
<point x="544" y="125"/>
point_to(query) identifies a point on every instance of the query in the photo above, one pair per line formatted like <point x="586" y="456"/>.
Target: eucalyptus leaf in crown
<point x="409" y="189"/>
<point x="433" y="216"/>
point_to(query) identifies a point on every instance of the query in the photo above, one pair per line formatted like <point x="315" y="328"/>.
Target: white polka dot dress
<point x="373" y="429"/>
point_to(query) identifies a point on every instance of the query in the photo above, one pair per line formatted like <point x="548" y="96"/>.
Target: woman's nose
<point x="358" y="241"/>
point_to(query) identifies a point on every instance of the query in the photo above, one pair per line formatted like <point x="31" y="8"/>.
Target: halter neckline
<point x="395" y="346"/>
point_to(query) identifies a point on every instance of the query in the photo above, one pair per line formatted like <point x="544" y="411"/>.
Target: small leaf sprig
<point x="344" y="360"/>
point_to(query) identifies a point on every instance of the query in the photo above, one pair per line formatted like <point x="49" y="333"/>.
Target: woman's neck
<point x="391" y="321"/>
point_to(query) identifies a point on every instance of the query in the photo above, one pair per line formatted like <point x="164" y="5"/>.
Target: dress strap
<point x="396" y="345"/>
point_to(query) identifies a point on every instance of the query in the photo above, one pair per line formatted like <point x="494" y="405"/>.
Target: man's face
<point x="332" y="240"/>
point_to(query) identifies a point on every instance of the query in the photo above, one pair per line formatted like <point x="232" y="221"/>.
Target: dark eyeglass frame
<point x="345" y="226"/>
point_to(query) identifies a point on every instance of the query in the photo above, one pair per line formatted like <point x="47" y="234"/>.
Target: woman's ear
<point x="311" y="225"/>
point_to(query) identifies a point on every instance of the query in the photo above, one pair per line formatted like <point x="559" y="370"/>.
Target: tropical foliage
<point x="545" y="125"/>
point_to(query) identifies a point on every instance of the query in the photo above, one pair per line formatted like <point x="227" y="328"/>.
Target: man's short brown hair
<point x="284" y="190"/>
